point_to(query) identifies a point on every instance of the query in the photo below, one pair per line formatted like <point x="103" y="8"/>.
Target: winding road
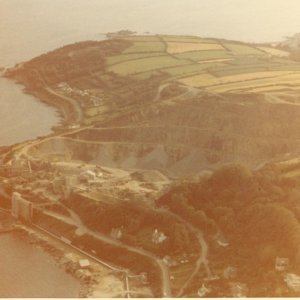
<point x="204" y="250"/>
<point x="74" y="219"/>
<point x="78" y="115"/>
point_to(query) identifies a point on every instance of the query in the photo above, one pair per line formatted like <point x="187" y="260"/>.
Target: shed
<point x="84" y="263"/>
<point x="281" y="263"/>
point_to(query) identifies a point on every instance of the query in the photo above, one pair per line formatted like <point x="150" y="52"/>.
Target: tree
<point x="231" y="175"/>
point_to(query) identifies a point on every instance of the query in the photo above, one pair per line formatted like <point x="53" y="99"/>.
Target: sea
<point x="29" y="272"/>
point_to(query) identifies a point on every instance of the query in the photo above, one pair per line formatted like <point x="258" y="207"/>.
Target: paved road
<point x="204" y="250"/>
<point x="77" y="109"/>
<point x="188" y="92"/>
<point x="75" y="220"/>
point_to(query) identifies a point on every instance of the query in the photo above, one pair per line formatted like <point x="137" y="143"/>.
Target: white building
<point x="293" y="281"/>
<point x="21" y="208"/>
<point x="87" y="175"/>
<point x="203" y="291"/>
<point x="281" y="263"/>
<point x="158" y="237"/>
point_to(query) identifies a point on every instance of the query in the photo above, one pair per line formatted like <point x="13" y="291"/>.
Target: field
<point x="208" y="80"/>
<point x="142" y="38"/>
<point x="201" y="80"/>
<point x="180" y="274"/>
<point x="187" y="39"/>
<point x="179" y="47"/>
<point x="148" y="46"/>
<point x="291" y="81"/>
<point x="274" y="51"/>
<point x="218" y="66"/>
<point x="145" y="65"/>
<point x="185" y="70"/>
<point x="146" y="75"/>
<point x="241" y="49"/>
<point x="132" y="56"/>
<point x="273" y="88"/>
<point x="204" y="55"/>
<point x="231" y="69"/>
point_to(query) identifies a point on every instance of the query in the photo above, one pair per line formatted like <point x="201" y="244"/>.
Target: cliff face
<point x="155" y="122"/>
<point x="186" y="138"/>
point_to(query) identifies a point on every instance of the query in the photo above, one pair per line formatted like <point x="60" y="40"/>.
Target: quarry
<point x="161" y="140"/>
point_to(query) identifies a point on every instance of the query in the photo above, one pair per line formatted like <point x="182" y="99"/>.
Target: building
<point x="20" y="167"/>
<point x="84" y="263"/>
<point x="158" y="237"/>
<point x="116" y="233"/>
<point x="281" y="264"/>
<point x="21" y="208"/>
<point x="87" y="175"/>
<point x="293" y="282"/>
<point x="203" y="291"/>
<point x="229" y="272"/>
<point x="238" y="289"/>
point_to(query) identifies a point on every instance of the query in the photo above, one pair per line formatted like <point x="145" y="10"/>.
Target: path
<point x="188" y="92"/>
<point x="204" y="250"/>
<point x="78" y="112"/>
<point x="74" y="219"/>
<point x="276" y="99"/>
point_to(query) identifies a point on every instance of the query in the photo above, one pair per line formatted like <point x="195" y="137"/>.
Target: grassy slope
<point x="148" y="56"/>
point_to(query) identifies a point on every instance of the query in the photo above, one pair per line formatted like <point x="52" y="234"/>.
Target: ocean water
<point x="31" y="27"/>
<point x="22" y="117"/>
<point x="28" y="272"/>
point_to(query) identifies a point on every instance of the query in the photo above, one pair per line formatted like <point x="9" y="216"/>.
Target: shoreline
<point x="59" y="109"/>
<point x="57" y="255"/>
<point x="91" y="279"/>
<point x="56" y="109"/>
<point x="31" y="236"/>
<point x="38" y="240"/>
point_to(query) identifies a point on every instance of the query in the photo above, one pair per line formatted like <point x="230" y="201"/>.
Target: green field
<point x="269" y="83"/>
<point x="131" y="56"/>
<point x="241" y="49"/>
<point x="146" y="46"/>
<point x="187" y="70"/>
<point x="252" y="60"/>
<point x="294" y="67"/>
<point x="204" y="55"/>
<point x="142" y="38"/>
<point x="186" y="39"/>
<point x="207" y="80"/>
<point x="234" y="70"/>
<point x="221" y="70"/>
<point x="146" y="75"/>
<point x="146" y="64"/>
<point x="241" y="69"/>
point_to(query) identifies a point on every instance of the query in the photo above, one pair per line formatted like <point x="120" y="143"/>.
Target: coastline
<point x="25" y="115"/>
<point x="15" y="228"/>
<point x="64" y="109"/>
<point x="63" y="256"/>
<point x="38" y="240"/>
<point x="21" y="231"/>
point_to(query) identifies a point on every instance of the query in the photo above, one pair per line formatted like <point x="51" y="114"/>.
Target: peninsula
<point x="176" y="164"/>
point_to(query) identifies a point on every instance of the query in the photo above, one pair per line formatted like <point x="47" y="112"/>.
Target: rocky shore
<point x="41" y="242"/>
